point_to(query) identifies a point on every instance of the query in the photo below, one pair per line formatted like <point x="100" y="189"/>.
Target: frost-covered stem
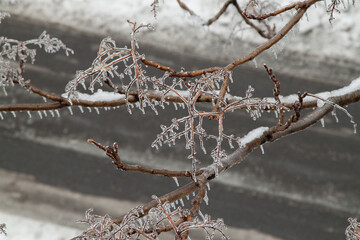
<point x="167" y="228"/>
<point x="136" y="67"/>
<point x="305" y="122"/>
<point x="169" y="197"/>
<point x="222" y="92"/>
<point x="153" y="95"/>
<point x="241" y="153"/>
<point x="198" y="199"/>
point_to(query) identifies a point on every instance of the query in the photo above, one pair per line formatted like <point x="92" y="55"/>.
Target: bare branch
<point x="221" y="12"/>
<point x="186" y="8"/>
<point x="112" y="152"/>
<point x="296" y="5"/>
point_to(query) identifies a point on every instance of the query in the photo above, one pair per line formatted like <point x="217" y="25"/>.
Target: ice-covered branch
<point x="257" y="137"/>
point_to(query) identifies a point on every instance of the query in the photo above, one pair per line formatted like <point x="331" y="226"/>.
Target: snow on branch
<point x="310" y="100"/>
<point x="105" y="67"/>
<point x="98" y="96"/>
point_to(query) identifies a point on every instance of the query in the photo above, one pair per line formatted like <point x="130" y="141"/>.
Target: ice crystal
<point x="190" y="127"/>
<point x="352" y="232"/>
<point x="116" y="62"/>
<point x="21" y="52"/>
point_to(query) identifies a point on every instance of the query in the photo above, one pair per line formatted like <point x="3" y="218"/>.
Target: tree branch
<point x="112" y="152"/>
<point x="241" y="153"/>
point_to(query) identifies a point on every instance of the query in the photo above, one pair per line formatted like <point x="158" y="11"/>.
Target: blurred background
<point x="304" y="186"/>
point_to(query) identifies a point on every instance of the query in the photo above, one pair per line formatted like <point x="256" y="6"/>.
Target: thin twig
<point x="186" y="8"/>
<point x="241" y="153"/>
<point x="112" y="152"/>
<point x="296" y="5"/>
<point x="221" y="12"/>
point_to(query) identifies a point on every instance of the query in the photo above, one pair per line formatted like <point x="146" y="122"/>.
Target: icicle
<point x="355" y="126"/>
<point x="206" y="198"/>
<point x="89" y="108"/>
<point x="255" y="63"/>
<point x="201" y="215"/>
<point x="1" y="116"/>
<point x="335" y="116"/>
<point x="182" y="202"/>
<point x="176" y="181"/>
<point x="208" y="186"/>
<point x="187" y="197"/>
<point x="14" y="114"/>
<point x="176" y="202"/>
<point x="274" y="52"/>
<point x="140" y="221"/>
<point x="325" y="4"/>
<point x="45" y="114"/>
<point x="4" y="90"/>
<point x="193" y="194"/>
<point x="276" y="114"/>
<point x="57" y="112"/>
<point x="44" y="98"/>
<point x="307" y="16"/>
<point x="83" y="84"/>
<point x="52" y="113"/>
<point x="175" y="106"/>
<point x="97" y="110"/>
<point x="173" y="205"/>
<point x="322" y="122"/>
<point x="28" y="112"/>
<point x="81" y="109"/>
<point x="40" y="115"/>
<point x="231" y="78"/>
<point x="262" y="149"/>
<point x="70" y="110"/>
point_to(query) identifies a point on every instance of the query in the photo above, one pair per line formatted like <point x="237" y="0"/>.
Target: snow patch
<point x="20" y="227"/>
<point x="100" y="95"/>
<point x="177" y="30"/>
<point x="252" y="135"/>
